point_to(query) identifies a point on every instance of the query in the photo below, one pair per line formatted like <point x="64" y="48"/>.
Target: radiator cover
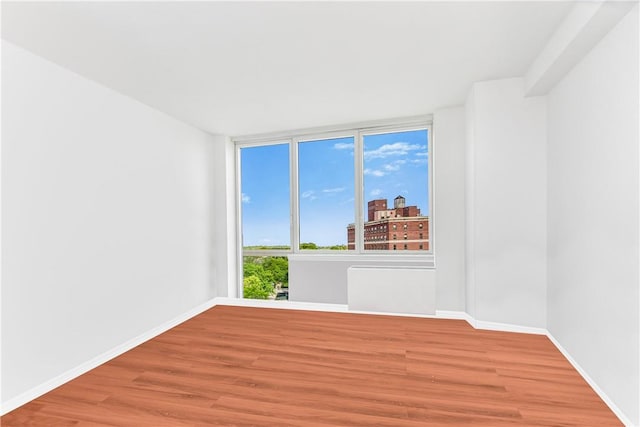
<point x="392" y="289"/>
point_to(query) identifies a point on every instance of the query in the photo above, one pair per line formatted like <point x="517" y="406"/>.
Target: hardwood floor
<point x="239" y="366"/>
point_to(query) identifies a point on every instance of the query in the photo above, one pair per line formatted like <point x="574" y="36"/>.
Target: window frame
<point x="295" y="195"/>
<point x="358" y="132"/>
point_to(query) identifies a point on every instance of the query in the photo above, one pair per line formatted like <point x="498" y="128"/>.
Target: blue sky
<point x="394" y="164"/>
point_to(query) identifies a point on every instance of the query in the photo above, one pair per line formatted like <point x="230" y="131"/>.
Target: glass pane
<point x="265" y="197"/>
<point x="396" y="191"/>
<point x="265" y="277"/>
<point x="326" y="185"/>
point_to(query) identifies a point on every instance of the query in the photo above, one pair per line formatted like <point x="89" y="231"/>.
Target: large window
<point x="351" y="191"/>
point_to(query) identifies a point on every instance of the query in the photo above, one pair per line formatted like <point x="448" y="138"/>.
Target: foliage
<point x="258" y="270"/>
<point x="279" y="269"/>
<point x="338" y="247"/>
<point x="262" y="273"/>
<point x="254" y="288"/>
<point x="305" y="245"/>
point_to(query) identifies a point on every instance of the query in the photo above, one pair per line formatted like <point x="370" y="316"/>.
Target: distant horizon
<point x="395" y="164"/>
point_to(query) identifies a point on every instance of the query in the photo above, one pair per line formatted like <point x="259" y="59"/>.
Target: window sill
<point x="427" y="260"/>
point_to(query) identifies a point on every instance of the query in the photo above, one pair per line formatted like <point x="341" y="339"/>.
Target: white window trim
<point x="273" y="137"/>
<point x="295" y="189"/>
<point x="358" y="131"/>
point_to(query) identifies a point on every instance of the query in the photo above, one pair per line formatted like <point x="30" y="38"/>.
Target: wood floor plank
<point x="240" y="366"/>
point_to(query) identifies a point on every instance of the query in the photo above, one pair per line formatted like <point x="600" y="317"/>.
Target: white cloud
<point x="374" y="172"/>
<point x="246" y="198"/>
<point x="376" y="192"/>
<point x="395" y="149"/>
<point x="309" y="194"/>
<point x="394" y="166"/>
<point x="333" y="190"/>
<point x="343" y="145"/>
<point x="422" y="154"/>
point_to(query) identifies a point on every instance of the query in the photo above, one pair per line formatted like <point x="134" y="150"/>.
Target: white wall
<point x="593" y="215"/>
<point x="449" y="194"/>
<point x="506" y="204"/>
<point x="105" y="220"/>
<point x="469" y="205"/>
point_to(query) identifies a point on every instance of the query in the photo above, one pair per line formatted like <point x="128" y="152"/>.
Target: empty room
<point x="320" y="213"/>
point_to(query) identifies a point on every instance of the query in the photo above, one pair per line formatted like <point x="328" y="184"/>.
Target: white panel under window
<point x="392" y="289"/>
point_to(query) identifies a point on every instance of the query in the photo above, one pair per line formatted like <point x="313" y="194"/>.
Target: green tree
<point x="308" y="245"/>
<point x="258" y="269"/>
<point x="254" y="288"/>
<point x="278" y="266"/>
<point x="338" y="247"/>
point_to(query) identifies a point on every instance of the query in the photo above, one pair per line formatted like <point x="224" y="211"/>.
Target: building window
<point x="405" y="237"/>
<point x="394" y="247"/>
<point x="405" y="246"/>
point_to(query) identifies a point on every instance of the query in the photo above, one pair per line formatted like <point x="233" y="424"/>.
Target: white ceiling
<point x="239" y="68"/>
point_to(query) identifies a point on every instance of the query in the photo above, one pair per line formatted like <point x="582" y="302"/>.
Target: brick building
<point x="398" y="228"/>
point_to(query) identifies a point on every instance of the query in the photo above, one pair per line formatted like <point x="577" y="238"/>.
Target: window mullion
<point x="359" y="188"/>
<point x="293" y="197"/>
<point x="239" y="237"/>
<point x="430" y="186"/>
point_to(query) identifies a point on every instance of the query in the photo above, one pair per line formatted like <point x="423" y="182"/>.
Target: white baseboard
<point x="336" y="308"/>
<point x="490" y="326"/>
<point x="454" y="315"/>
<point x="282" y="304"/>
<point x="626" y="421"/>
<point x="343" y="308"/>
<point x="67" y="376"/>
<point x="506" y="327"/>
